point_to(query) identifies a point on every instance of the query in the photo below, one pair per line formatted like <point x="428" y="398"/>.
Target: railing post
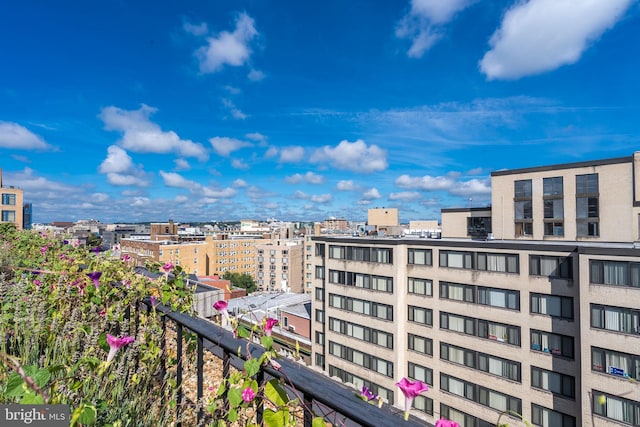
<point x="307" y="407"/>
<point x="260" y="402"/>
<point x="179" y="372"/>
<point x="200" y="379"/>
<point x="163" y="344"/>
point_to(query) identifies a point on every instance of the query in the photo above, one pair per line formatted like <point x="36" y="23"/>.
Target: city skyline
<point x="203" y="112"/>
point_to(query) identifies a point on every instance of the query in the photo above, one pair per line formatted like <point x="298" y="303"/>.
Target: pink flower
<point x="248" y="394"/>
<point x="167" y="267"/>
<point x="367" y="394"/>
<point x="125" y="257"/>
<point x="43" y="250"/>
<point x="410" y="389"/>
<point x="153" y="300"/>
<point x="270" y="323"/>
<point x="37" y="282"/>
<point x="116" y="344"/>
<point x="221" y="306"/>
<point x="446" y="423"/>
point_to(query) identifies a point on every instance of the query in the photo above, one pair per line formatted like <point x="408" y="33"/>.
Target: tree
<point x="241" y="280"/>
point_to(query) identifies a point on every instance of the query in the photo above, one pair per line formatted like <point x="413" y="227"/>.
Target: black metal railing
<point x="319" y="395"/>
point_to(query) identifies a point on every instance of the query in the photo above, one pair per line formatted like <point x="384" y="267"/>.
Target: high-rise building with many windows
<point x="11" y="209"/>
<point x="541" y="318"/>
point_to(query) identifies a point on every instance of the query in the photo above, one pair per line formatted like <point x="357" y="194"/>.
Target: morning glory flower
<point x="153" y="300"/>
<point x="125" y="257"/>
<point x="270" y="323"/>
<point x="367" y="395"/>
<point x="248" y="394"/>
<point x="221" y="306"/>
<point x="116" y="344"/>
<point x="446" y="423"/>
<point x="95" y="276"/>
<point x="410" y="389"/>
<point x="167" y="267"/>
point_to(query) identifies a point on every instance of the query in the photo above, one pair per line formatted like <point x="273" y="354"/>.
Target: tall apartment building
<point x="542" y="320"/>
<point x="11" y="209"/>
<point x="279" y="266"/>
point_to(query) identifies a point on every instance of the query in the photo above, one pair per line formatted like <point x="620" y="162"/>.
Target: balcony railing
<point x="319" y="395"/>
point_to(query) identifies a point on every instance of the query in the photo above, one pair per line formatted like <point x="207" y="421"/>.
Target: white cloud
<point x="448" y="183"/>
<point x="353" y="156"/>
<point x="172" y="179"/>
<point x="182" y="164"/>
<point x="15" y="136"/>
<point x="232" y="89"/>
<point x="120" y="170"/>
<point x="406" y="196"/>
<point x="225" y="146"/>
<point x="542" y="35"/>
<point x="143" y="136"/>
<point x="256" y="75"/>
<point x="346" y="185"/>
<point x="219" y="193"/>
<point x="235" y="111"/>
<point x="425" y="21"/>
<point x="196" y="29"/>
<point x="309" y="177"/>
<point x="240" y="183"/>
<point x="271" y="152"/>
<point x="239" y="164"/>
<point x="99" y="197"/>
<point x="300" y="195"/>
<point x="371" y="194"/>
<point x="258" y="137"/>
<point x="228" y="48"/>
<point x="291" y="154"/>
<point x="322" y="198"/>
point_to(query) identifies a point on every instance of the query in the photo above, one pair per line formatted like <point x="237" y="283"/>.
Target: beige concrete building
<point x="335" y="224"/>
<point x="11" y="207"/>
<point x="279" y="266"/>
<point x="545" y="326"/>
<point x="381" y="218"/>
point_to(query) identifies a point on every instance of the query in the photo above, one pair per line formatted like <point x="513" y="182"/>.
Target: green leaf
<point x="234" y="396"/>
<point x="318" y="422"/>
<point x="96" y="300"/>
<point x="31" y="398"/>
<point x="251" y="367"/>
<point x="232" y="415"/>
<point x="41" y="377"/>
<point x="15" y="386"/>
<point x="243" y="332"/>
<point x="267" y="342"/>
<point x="88" y="414"/>
<point x="272" y="418"/>
<point x="275" y="393"/>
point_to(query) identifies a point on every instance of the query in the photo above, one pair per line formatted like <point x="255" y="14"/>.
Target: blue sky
<point x="201" y="110"/>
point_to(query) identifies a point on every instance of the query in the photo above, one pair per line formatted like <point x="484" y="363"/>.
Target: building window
<point x="555" y="344"/>
<point x="319" y="272"/>
<point x="502" y="298"/>
<point x="545" y="417"/>
<point x="319" y="338"/>
<point x="358" y="383"/>
<point x="552" y="305"/>
<point x="420" y="315"/>
<point x="499" y="332"/>
<point x="355" y="305"/>
<point x="616" y="408"/>
<point x="503" y="263"/>
<point x="360" y="358"/>
<point x="319" y="316"/>
<point x="551" y="266"/>
<point x="523" y="208"/>
<point x="363" y="333"/>
<point x="420" y="286"/>
<point x="319" y="249"/>
<point x="424" y="404"/>
<point x="8" y="199"/>
<point x="480" y="394"/>
<point x="587" y="205"/>
<point x="319" y="359"/>
<point x="462" y="418"/>
<point x="319" y="294"/>
<point x="483" y="362"/>
<point x="9" y="216"/>
<point x="555" y="382"/>
<point x="420" y="256"/>
<point x="457" y="292"/>
<point x="421" y="373"/>
<point x="610" y="362"/>
<point x="553" y="206"/>
<point x="618" y="319"/>
<point x="420" y="344"/>
<point x="456" y="259"/>
<point x="617" y="273"/>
